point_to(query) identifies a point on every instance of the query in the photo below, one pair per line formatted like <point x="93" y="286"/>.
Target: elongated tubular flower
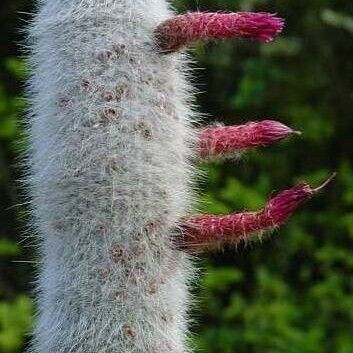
<point x="227" y="140"/>
<point x="183" y="30"/>
<point x="204" y="231"/>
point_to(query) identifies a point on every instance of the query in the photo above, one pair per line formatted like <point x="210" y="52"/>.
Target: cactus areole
<point x="113" y="145"/>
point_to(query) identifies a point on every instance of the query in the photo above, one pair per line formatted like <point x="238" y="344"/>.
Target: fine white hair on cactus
<point x="112" y="146"/>
<point x="110" y="178"/>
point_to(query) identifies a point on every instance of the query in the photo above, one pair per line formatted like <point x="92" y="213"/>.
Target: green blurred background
<point x="294" y="292"/>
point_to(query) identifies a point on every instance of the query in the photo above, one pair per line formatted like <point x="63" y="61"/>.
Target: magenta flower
<point x="183" y="30"/>
<point x="202" y="231"/>
<point x="228" y="140"/>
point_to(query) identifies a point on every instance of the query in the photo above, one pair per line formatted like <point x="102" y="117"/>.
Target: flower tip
<point x="275" y="26"/>
<point x="278" y="130"/>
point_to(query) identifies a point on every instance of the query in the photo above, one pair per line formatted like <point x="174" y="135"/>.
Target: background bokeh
<point x="294" y="292"/>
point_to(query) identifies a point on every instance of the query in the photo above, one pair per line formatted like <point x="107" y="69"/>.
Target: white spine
<point x="110" y="178"/>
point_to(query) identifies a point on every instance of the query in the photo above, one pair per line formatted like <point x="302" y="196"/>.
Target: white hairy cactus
<point x="110" y="170"/>
<point x="109" y="177"/>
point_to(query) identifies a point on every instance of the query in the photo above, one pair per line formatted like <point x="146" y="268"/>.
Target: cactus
<point x="113" y="148"/>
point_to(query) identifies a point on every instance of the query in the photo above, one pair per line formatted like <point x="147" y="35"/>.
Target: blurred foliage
<point x="294" y="292"/>
<point x="15" y="319"/>
<point x="15" y="307"/>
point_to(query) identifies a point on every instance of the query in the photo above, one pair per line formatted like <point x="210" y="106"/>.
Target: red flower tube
<point x="207" y="230"/>
<point x="183" y="30"/>
<point x="227" y="140"/>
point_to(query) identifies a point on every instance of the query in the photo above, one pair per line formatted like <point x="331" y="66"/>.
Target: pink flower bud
<point x="207" y="230"/>
<point x="227" y="140"/>
<point x="182" y="30"/>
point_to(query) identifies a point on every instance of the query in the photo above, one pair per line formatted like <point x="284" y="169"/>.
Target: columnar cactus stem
<point x="109" y="179"/>
<point x="227" y="141"/>
<point x="110" y="171"/>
